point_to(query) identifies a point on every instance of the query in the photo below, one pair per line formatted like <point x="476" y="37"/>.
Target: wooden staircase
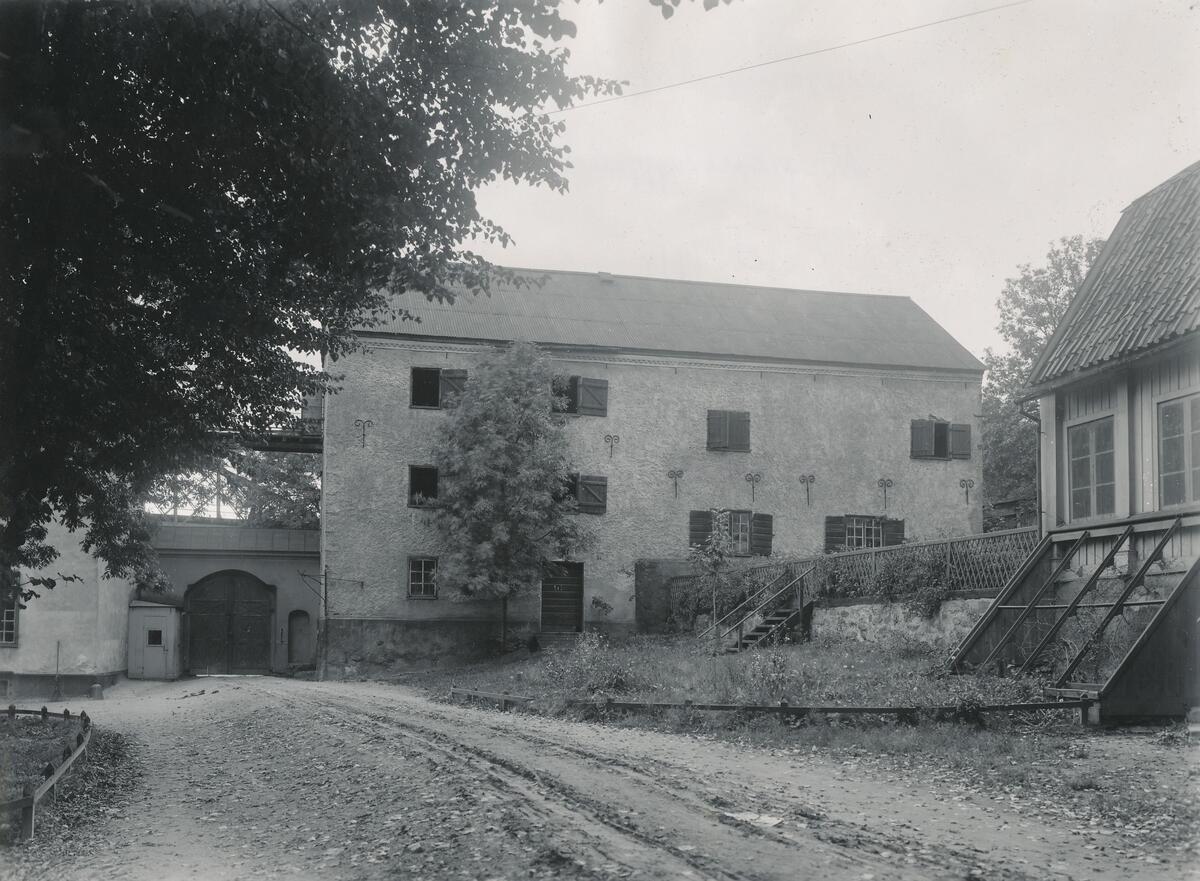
<point x="1083" y="608"/>
<point x="767" y="615"/>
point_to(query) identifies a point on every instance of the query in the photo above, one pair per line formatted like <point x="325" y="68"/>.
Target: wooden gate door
<point x="229" y="624"/>
<point x="562" y="598"/>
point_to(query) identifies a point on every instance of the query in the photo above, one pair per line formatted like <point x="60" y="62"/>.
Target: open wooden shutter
<point x="739" y="430"/>
<point x="762" y="529"/>
<point x="893" y="532"/>
<point x="960" y="442"/>
<point x="454" y="382"/>
<point x="593" y="494"/>
<point x="835" y="533"/>
<point x="593" y="397"/>
<point x="922" y="438"/>
<point x="700" y="524"/>
<point x="718" y="430"/>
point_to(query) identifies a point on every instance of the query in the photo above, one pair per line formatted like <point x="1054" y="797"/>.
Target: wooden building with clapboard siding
<point x="1109" y="606"/>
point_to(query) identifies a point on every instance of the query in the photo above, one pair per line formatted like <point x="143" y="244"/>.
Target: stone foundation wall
<point x="873" y="620"/>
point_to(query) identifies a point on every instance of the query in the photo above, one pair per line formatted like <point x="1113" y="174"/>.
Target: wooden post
<point x="504" y="702"/>
<point x="45" y="714"/>
<point x="12" y="711"/>
<point x="27" y="813"/>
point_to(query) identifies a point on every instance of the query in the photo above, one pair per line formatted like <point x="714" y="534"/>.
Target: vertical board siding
<point x="1095" y="400"/>
<point x="1162" y="378"/>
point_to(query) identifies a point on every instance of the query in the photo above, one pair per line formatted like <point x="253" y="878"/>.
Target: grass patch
<point x="26" y="745"/>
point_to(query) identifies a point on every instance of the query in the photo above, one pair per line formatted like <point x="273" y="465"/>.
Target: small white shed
<point x="154" y="640"/>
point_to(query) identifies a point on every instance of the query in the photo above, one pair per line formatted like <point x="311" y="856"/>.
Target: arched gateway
<point x="229" y="623"/>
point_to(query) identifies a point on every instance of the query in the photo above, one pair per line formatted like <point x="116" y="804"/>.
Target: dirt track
<point x="278" y="778"/>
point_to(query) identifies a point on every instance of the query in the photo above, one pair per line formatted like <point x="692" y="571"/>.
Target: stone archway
<point x="229" y="623"/>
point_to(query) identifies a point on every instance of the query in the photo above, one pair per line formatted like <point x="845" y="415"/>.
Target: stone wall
<point x="847" y="426"/>
<point x="875" y="620"/>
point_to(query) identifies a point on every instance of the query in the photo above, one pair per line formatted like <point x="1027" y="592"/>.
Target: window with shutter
<point x="729" y="430"/>
<point x="453" y="384"/>
<point x="739" y="532"/>
<point x="592" y="493"/>
<point x="425" y="388"/>
<point x="835" y="533"/>
<point x="700" y="524"/>
<point x="922" y="439"/>
<point x="762" y="530"/>
<point x="718" y="430"/>
<point x="592" y="396"/>
<point x="960" y="442"/>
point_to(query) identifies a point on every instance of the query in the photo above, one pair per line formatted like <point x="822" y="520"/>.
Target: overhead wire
<point x="799" y="55"/>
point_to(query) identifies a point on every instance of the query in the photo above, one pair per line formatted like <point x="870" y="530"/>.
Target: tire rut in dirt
<point x="758" y="852"/>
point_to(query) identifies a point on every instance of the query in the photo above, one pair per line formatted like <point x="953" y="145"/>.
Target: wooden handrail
<point x="799" y="579"/>
<point x="745" y="602"/>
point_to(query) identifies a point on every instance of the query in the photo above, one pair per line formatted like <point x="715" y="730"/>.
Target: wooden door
<point x="156" y="647"/>
<point x="229" y="624"/>
<point x="562" y="598"/>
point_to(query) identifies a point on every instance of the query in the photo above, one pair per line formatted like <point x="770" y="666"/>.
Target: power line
<point x="809" y="54"/>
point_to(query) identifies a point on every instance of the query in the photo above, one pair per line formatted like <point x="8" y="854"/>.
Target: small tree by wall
<point x="503" y="468"/>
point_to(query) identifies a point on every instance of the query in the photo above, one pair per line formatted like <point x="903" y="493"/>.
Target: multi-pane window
<point x="739" y="531"/>
<point x="422" y="577"/>
<point x="1179" y="451"/>
<point x="864" y="532"/>
<point x="1090" y="471"/>
<point x="8" y="622"/>
<point x="422" y="485"/>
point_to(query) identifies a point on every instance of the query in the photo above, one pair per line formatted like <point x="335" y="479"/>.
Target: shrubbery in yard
<point x="594" y="666"/>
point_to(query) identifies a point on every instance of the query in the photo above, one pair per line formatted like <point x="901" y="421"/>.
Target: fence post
<point x="504" y="702"/>
<point x="45" y="714"/>
<point x="12" y="711"/>
<point x="27" y="813"/>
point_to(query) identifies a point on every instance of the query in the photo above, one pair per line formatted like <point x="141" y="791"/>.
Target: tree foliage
<point x="280" y="490"/>
<point x="191" y="191"/>
<point x="1031" y="306"/>
<point x="503" y="463"/>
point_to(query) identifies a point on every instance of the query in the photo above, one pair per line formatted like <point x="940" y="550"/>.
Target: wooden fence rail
<point x="76" y="749"/>
<point x="960" y="712"/>
<point x="502" y="698"/>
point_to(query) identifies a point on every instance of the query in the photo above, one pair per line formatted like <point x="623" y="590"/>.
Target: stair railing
<point x="740" y="608"/>
<point x="756" y="615"/>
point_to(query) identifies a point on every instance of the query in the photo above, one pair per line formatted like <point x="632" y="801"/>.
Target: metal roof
<point x="1143" y="290"/>
<point x="631" y="313"/>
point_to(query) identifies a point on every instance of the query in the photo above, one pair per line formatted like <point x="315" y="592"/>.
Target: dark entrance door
<point x="562" y="598"/>
<point x="229" y="624"/>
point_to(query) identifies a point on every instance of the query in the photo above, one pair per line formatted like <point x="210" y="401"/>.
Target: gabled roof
<point x="634" y="314"/>
<point x="1143" y="290"/>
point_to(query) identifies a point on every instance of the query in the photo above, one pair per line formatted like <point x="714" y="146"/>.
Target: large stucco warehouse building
<point x="866" y="394"/>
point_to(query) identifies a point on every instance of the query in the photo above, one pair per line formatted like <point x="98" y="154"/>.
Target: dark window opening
<point x="426" y="387"/>
<point x="581" y="395"/>
<point x="154" y="637"/>
<point x="422" y="485"/>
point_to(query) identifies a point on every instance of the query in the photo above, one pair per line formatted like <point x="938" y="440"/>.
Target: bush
<point x="594" y="666"/>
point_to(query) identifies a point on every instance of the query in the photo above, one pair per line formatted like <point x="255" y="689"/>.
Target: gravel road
<point x="276" y="778"/>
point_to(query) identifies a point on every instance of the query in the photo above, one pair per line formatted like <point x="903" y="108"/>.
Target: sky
<point x="930" y="164"/>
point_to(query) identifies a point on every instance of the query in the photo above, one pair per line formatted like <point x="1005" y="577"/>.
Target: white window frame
<point x="427" y="578"/>
<point x="1191" y="490"/>
<point x="1067" y="482"/>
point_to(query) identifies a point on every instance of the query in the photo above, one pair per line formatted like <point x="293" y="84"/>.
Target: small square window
<point x="422" y="577"/>
<point x="154" y="637"/>
<point x="426" y="387"/>
<point x="422" y="486"/>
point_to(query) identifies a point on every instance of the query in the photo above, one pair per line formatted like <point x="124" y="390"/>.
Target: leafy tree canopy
<point x="1031" y="306"/>
<point x="189" y="191"/>
<point x="502" y="468"/>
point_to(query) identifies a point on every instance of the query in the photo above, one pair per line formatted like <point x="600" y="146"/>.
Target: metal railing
<point x="793" y="588"/>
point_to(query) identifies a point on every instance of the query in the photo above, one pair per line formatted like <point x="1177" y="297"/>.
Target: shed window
<point x="1090" y="473"/>
<point x="935" y="439"/>
<point x="8" y="622"/>
<point x="422" y="485"/>
<point x="729" y="430"/>
<point x="581" y="395"/>
<point x="436" y="387"/>
<point x="751" y="533"/>
<point x="1179" y="451"/>
<point x="422" y="577"/>
<point x="154" y="637"/>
